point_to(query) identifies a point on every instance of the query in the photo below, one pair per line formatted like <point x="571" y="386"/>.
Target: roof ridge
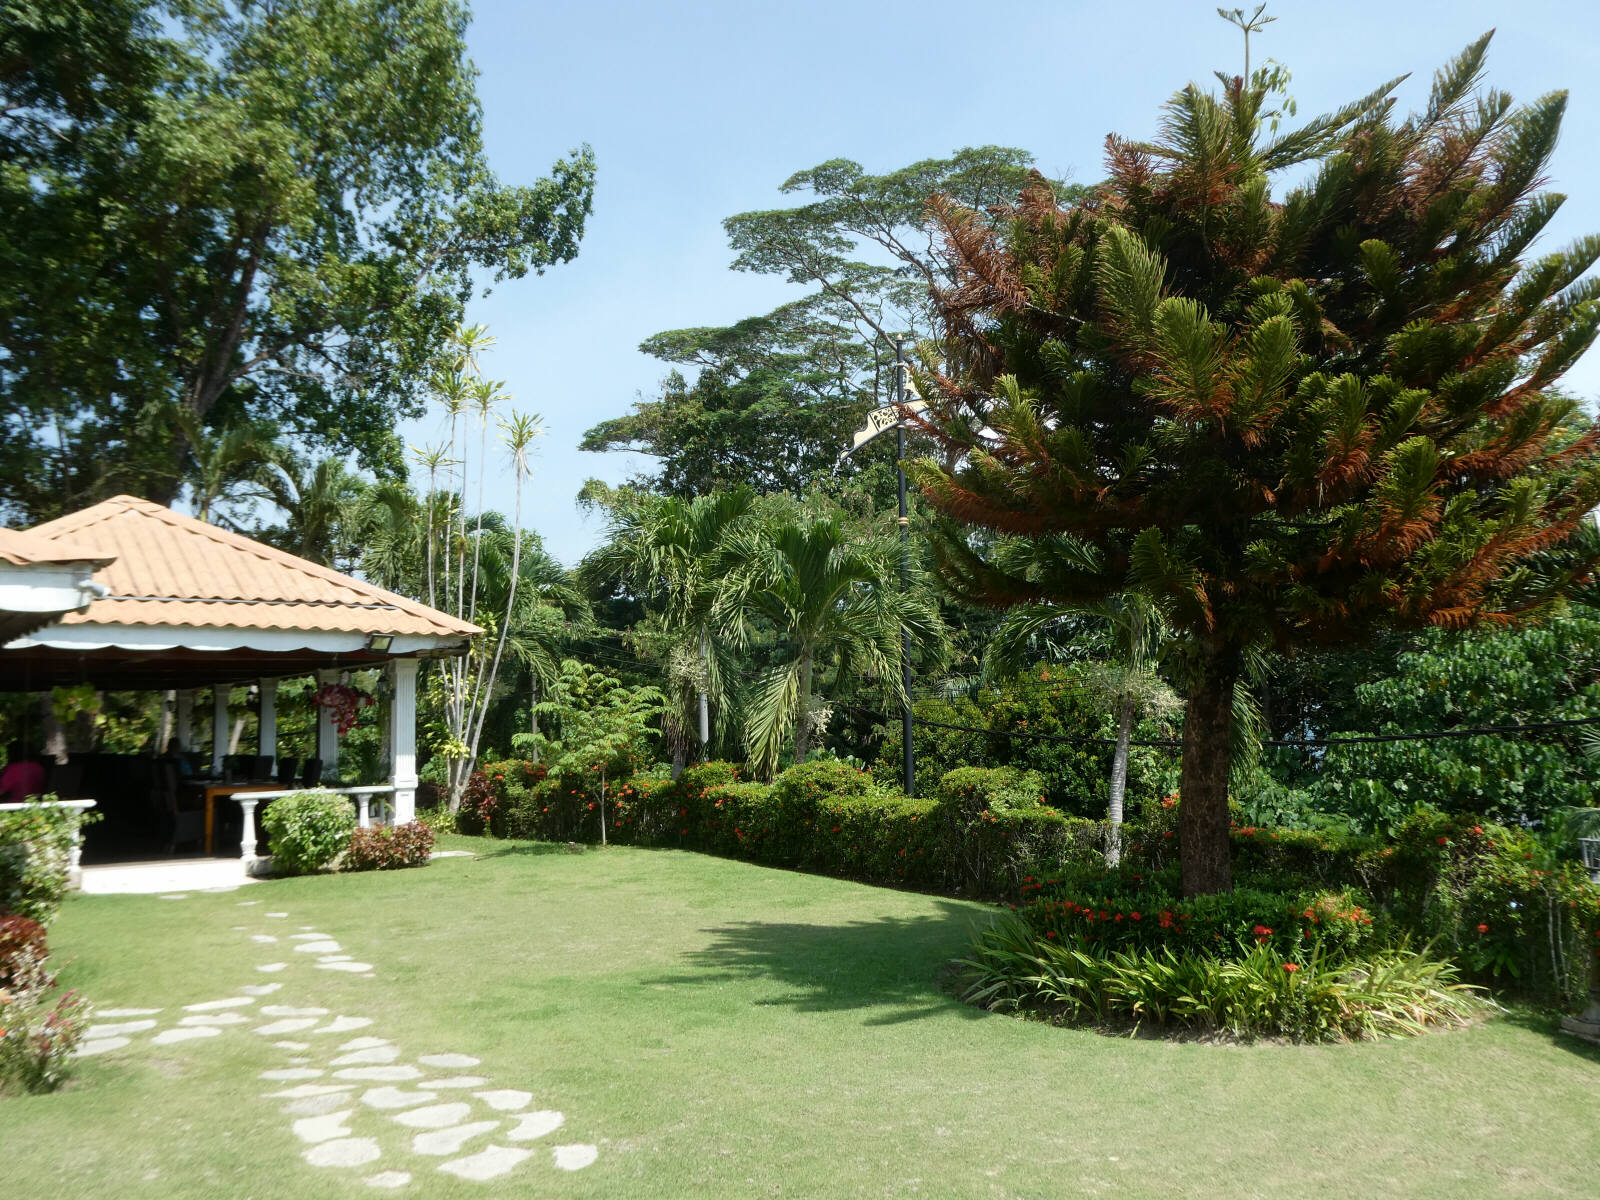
<point x="182" y="522"/>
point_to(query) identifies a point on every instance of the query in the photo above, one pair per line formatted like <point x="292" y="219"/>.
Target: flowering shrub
<point x="35" y="853"/>
<point x="479" y="802"/>
<point x="308" y="830"/>
<point x="344" y="704"/>
<point x="22" y="955"/>
<point x="382" y="848"/>
<point x="38" y="1033"/>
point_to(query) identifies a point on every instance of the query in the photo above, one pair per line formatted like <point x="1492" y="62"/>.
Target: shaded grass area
<point x="723" y="1029"/>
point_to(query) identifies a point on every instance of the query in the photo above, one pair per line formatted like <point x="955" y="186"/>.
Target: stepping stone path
<point x="355" y="1095"/>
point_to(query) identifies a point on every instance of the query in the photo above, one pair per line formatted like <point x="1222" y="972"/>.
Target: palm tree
<point x="830" y="594"/>
<point x="1129" y="634"/>
<point x="320" y="498"/>
<point x="669" y="551"/>
<point x="226" y="462"/>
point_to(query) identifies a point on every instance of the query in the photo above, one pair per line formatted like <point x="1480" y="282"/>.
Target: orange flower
<point x="1291" y="967"/>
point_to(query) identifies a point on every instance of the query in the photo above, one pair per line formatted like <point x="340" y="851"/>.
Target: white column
<point x="219" y="726"/>
<point x="184" y="730"/>
<point x="327" y="735"/>
<point x="267" y="722"/>
<point x="363" y="810"/>
<point x="403" y="738"/>
<point x="247" y="843"/>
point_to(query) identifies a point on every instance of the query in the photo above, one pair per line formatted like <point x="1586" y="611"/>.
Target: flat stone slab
<point x="309" y="936"/>
<point x="344" y="1152"/>
<point x="364" y="1043"/>
<point x="575" y="1157"/>
<point x="490" y="1163"/>
<point x="317" y="948"/>
<point x="327" y="958"/>
<point x="388" y="1179"/>
<point x="127" y="1012"/>
<point x="397" y="1074"/>
<point x="535" y="1125"/>
<point x="275" y="916"/>
<point x="290" y="1073"/>
<point x="344" y="1025"/>
<point x="260" y="989"/>
<point x="448" y="1060"/>
<point x="311" y="1089"/>
<point x="449" y="1141"/>
<point x="215" y="1005"/>
<point x="287" y="1010"/>
<point x="434" y="1116"/>
<point x="316" y="1106"/>
<point x="92" y="1046"/>
<point x="120" y="1030"/>
<point x="222" y="1018"/>
<point x="344" y="966"/>
<point x="393" y="1097"/>
<point x="292" y="1045"/>
<point x="291" y="1025"/>
<point x="324" y="1128"/>
<point x="269" y="968"/>
<point x="168" y="1036"/>
<point x="373" y="1054"/>
<point x="457" y="1081"/>
<point x="505" y="1099"/>
<point x="263" y="938"/>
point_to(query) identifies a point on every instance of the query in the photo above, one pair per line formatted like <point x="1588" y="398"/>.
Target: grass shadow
<point x="1548" y="1025"/>
<point x="517" y="849"/>
<point x="895" y="966"/>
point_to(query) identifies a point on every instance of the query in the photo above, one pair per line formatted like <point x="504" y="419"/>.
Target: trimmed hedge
<point x="981" y="832"/>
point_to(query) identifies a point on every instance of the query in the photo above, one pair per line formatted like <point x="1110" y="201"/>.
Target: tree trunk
<point x="602" y="806"/>
<point x="533" y="715"/>
<point x="1119" y="782"/>
<point x="802" y="731"/>
<point x="1207" y="756"/>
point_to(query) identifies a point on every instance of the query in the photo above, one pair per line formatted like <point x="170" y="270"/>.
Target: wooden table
<point x="212" y="791"/>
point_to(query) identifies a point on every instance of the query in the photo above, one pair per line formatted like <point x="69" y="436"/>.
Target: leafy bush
<point x="439" y="819"/>
<point x="39" y="1032"/>
<point x="385" y="848"/>
<point x="308" y="830"/>
<point x="35" y="855"/>
<point x="1314" y="994"/>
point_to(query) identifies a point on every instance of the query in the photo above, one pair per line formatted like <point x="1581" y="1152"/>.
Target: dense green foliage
<point x="308" y="830"/>
<point x="35" y="855"/>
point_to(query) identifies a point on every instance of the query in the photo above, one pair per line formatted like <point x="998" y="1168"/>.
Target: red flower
<point x="1444" y="841"/>
<point x="1051" y="934"/>
<point x="1135" y="916"/>
<point x="1483" y="929"/>
<point x="1291" y="967"/>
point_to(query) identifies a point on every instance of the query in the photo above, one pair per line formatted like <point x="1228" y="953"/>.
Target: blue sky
<point x="697" y="112"/>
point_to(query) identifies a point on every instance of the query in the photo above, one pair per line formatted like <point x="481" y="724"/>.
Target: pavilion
<point x="177" y="604"/>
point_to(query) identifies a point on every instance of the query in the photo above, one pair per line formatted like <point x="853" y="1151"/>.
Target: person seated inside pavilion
<point x="23" y="776"/>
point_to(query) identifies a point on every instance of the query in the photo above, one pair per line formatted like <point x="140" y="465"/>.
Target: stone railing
<point x="247" y="802"/>
<point x="75" y="854"/>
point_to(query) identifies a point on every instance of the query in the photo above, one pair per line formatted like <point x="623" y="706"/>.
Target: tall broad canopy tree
<point x="267" y="212"/>
<point x="1291" y="422"/>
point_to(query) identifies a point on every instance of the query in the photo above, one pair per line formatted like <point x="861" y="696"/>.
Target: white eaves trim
<point x="218" y="640"/>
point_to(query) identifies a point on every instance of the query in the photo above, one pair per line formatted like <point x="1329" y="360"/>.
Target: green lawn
<point x="720" y="1029"/>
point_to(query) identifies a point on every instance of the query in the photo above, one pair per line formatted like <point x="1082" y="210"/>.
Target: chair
<point x="312" y="774"/>
<point x="262" y="768"/>
<point x="286" y="771"/>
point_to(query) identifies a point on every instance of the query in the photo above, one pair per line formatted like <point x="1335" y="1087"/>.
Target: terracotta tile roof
<point x="23" y="548"/>
<point x="170" y="569"/>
